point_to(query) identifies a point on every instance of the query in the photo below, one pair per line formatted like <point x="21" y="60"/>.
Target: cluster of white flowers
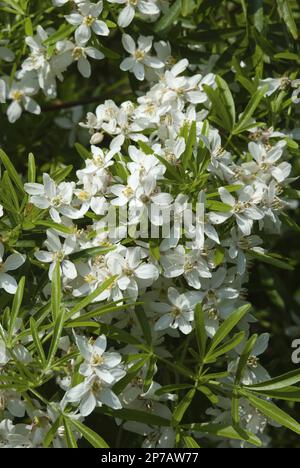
<point x="45" y="65"/>
<point x="169" y="233"/>
<point x="206" y="262"/>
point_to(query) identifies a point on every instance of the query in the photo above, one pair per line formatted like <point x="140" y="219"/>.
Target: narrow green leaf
<point x="244" y="119"/>
<point x="225" y="348"/>
<point x="271" y="411"/>
<point x="271" y="260"/>
<point x="17" y="302"/>
<point x="12" y="172"/>
<point x="91" y="436"/>
<point x="227" y="101"/>
<point x="280" y="382"/>
<point x="31" y="177"/>
<point x="189" y="442"/>
<point x="36" y="340"/>
<point x="286" y="13"/>
<point x="222" y="430"/>
<point x="244" y="357"/>
<point x="71" y="441"/>
<point x="183" y="405"/>
<point x="227" y="326"/>
<point x="91" y="297"/>
<point x="200" y="331"/>
<point x="168" y="18"/>
<point x="56" y="292"/>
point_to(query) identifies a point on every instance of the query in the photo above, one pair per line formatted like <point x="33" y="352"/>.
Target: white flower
<point x="254" y="371"/>
<point x="179" y="314"/>
<point x="39" y="61"/>
<point x="91" y="393"/>
<point x="238" y="245"/>
<point x="267" y="159"/>
<point x="106" y="365"/>
<point x="87" y="21"/>
<point x="146" y="7"/>
<point x="14" y="261"/>
<point x="20" y="93"/>
<point x="57" y="253"/>
<point x="57" y="198"/>
<point x="69" y="52"/>
<point x="1" y="211"/>
<point x="244" y="209"/>
<point x="133" y="272"/>
<point x="282" y="83"/>
<point x="139" y="56"/>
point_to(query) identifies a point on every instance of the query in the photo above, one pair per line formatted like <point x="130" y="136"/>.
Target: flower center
<point x="89" y="20"/>
<point x="128" y="192"/>
<point x="56" y="201"/>
<point x="97" y="360"/>
<point x="212" y="314"/>
<point x="58" y="256"/>
<point x="253" y="362"/>
<point x="175" y="312"/>
<point x="17" y="95"/>
<point x="77" y="53"/>
<point x="139" y="55"/>
<point x="96" y="386"/>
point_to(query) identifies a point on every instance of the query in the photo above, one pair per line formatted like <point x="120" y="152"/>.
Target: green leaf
<point x="284" y="264"/>
<point x="31" y="177"/>
<point x="71" y="441"/>
<point x="244" y="357"/>
<point x="168" y="18"/>
<point x="172" y="388"/>
<point x="12" y="172"/>
<point x="280" y="382"/>
<point x="189" y="442"/>
<point x="82" y="151"/>
<point x="37" y="342"/>
<point x="92" y="437"/>
<point x="56" y="292"/>
<point x="227" y="101"/>
<point x="51" y="433"/>
<point x="190" y="143"/>
<point x="183" y="405"/>
<point x="286" y="13"/>
<point x="271" y="411"/>
<point x="150" y="374"/>
<point x="222" y="430"/>
<point x="63" y="32"/>
<point x="287" y="393"/>
<point x="200" y="331"/>
<point x="91" y="297"/>
<point x="17" y="302"/>
<point x="225" y="348"/>
<point x="53" y="225"/>
<point x="244" y="120"/>
<point x="227" y="326"/>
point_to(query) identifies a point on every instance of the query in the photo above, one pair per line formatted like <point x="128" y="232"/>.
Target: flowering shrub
<point x="127" y="278"/>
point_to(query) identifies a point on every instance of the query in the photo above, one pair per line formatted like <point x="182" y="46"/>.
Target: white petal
<point x="8" y="283"/>
<point x="128" y="43"/>
<point x="82" y="34"/>
<point x="100" y="28"/>
<point x="126" y="16"/>
<point x="69" y="269"/>
<point x="110" y="399"/>
<point x="13" y="262"/>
